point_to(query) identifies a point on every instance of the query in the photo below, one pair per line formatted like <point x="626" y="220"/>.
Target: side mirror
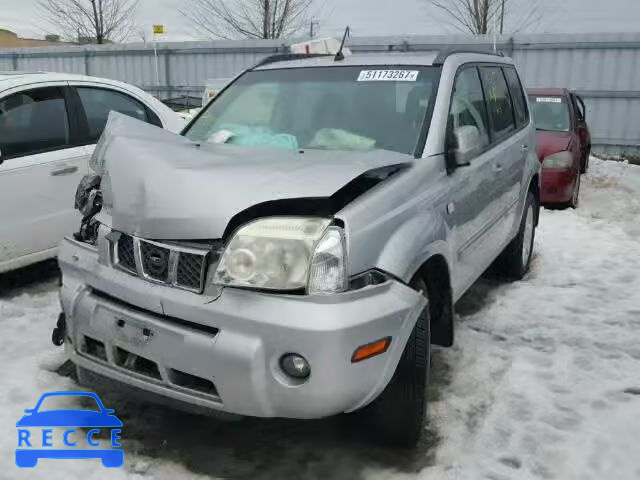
<point x="462" y="145"/>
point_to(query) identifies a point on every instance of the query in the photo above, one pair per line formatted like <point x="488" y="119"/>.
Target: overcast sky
<point x="371" y="17"/>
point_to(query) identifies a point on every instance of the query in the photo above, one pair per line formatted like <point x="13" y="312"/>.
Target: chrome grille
<point x="125" y="254"/>
<point x="189" y="270"/>
<point x="165" y="263"/>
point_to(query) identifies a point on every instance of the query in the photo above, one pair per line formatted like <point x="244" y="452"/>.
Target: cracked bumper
<point x="233" y="341"/>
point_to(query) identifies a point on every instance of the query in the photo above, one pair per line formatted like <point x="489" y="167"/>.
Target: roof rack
<point x="285" y="57"/>
<point x="443" y="54"/>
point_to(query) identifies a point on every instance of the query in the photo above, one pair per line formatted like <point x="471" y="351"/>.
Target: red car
<point x="564" y="143"/>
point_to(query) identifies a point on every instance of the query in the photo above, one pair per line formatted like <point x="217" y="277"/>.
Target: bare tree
<point x="480" y="17"/>
<point x="141" y="33"/>
<point x="93" y="21"/>
<point x="247" y="18"/>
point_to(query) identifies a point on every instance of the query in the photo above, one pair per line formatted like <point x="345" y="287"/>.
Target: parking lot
<point x="542" y="382"/>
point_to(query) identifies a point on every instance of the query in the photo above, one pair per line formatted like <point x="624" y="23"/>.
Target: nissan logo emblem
<point x="157" y="262"/>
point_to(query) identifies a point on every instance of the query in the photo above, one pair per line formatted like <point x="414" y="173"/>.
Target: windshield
<point x="330" y="108"/>
<point x="550" y="113"/>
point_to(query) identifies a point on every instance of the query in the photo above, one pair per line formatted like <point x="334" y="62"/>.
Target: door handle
<point x="63" y="171"/>
<point x="497" y="167"/>
<point x="524" y="148"/>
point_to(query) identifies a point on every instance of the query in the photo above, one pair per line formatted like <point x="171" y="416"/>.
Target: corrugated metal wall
<point x="603" y="68"/>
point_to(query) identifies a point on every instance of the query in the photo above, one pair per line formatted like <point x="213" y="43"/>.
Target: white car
<point x="49" y="124"/>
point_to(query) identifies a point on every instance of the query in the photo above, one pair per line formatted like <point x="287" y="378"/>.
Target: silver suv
<point x="296" y="251"/>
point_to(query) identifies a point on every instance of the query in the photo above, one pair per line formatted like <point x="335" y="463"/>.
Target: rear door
<point x="42" y="164"/>
<point x="510" y="146"/>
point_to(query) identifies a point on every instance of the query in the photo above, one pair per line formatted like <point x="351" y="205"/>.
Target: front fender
<point x="412" y="244"/>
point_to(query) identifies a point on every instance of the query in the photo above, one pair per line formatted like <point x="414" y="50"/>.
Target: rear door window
<point x="498" y="101"/>
<point x="517" y="96"/>
<point x="34" y="121"/>
<point x="98" y="102"/>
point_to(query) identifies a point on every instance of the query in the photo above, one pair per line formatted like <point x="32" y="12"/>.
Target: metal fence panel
<point x="603" y="68"/>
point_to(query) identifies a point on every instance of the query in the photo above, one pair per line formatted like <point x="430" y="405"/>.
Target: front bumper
<point x="558" y="184"/>
<point x="222" y="352"/>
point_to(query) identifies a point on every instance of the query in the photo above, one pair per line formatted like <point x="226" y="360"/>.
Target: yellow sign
<point x="158" y="29"/>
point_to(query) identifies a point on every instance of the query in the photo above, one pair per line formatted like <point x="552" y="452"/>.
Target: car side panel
<point x="472" y="218"/>
<point x="514" y="164"/>
<point x="510" y="202"/>
<point x="36" y="198"/>
<point x="399" y="224"/>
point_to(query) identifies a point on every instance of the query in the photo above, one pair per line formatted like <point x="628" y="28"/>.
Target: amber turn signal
<point x="371" y="349"/>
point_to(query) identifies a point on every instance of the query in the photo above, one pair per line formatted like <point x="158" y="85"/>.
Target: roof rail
<point x="443" y="54"/>
<point x="285" y="57"/>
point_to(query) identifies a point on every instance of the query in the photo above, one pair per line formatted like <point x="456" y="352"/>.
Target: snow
<point x="543" y="382"/>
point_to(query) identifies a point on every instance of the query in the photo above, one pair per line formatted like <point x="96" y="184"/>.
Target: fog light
<point x="295" y="365"/>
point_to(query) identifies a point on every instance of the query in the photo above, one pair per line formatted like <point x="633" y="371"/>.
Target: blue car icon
<point x="71" y="419"/>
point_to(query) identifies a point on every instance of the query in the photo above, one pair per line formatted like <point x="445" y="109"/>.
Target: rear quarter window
<point x="99" y="102"/>
<point x="518" y="97"/>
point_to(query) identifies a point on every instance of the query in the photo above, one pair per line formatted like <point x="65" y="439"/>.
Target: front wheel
<point x="397" y="415"/>
<point x="515" y="260"/>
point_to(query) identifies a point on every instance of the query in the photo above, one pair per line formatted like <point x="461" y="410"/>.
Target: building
<point x="9" y="39"/>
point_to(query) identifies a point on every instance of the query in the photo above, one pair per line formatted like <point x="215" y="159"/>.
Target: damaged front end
<point x="191" y="215"/>
<point x="208" y="274"/>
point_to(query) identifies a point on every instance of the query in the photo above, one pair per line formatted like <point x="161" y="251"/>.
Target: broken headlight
<point x="88" y="199"/>
<point x="88" y="202"/>
<point x="285" y="253"/>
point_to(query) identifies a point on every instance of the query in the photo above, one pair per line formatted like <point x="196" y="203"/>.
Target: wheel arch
<point x="436" y="274"/>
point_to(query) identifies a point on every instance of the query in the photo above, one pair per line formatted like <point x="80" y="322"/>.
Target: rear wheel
<point x="515" y="260"/>
<point x="397" y="415"/>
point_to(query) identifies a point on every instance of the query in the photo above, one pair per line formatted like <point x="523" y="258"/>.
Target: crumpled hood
<point x="163" y="186"/>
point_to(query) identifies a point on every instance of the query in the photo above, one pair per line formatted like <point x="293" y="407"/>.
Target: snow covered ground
<point x="543" y="383"/>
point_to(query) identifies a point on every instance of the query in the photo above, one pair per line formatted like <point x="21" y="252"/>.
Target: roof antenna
<point x="340" y="56"/>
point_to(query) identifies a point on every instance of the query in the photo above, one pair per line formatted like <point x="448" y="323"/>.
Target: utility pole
<point x="502" y="18"/>
<point x="265" y="20"/>
<point x="312" y="25"/>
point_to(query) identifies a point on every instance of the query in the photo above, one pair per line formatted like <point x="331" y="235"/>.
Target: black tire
<point x="396" y="417"/>
<point x="511" y="262"/>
